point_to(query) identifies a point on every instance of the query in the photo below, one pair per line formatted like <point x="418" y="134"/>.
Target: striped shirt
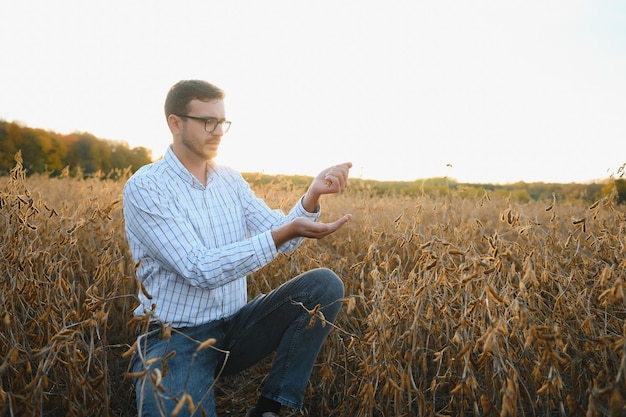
<point x="195" y="244"/>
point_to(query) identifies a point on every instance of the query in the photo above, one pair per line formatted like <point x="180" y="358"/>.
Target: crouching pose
<point x="196" y="230"/>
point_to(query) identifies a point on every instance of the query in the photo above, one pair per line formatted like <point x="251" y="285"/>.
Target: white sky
<point x="503" y="91"/>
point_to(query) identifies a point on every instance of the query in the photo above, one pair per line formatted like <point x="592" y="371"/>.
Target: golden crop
<point x="456" y="305"/>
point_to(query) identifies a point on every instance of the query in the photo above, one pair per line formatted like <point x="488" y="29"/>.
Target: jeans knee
<point x="330" y="283"/>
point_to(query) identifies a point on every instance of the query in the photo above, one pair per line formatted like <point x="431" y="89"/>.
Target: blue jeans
<point x="271" y="322"/>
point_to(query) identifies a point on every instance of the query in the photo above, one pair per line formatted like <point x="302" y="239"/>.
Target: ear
<point x="174" y="123"/>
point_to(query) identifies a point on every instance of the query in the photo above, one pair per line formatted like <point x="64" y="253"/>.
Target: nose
<point x="219" y="130"/>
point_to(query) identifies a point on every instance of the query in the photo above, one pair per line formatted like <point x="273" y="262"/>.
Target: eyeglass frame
<point x="225" y="123"/>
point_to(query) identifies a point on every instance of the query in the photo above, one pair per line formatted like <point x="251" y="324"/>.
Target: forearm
<point x="201" y="266"/>
<point x="212" y="268"/>
<point x="283" y="234"/>
<point x="310" y="202"/>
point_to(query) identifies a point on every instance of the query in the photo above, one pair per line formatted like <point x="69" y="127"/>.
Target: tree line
<point x="520" y="191"/>
<point x="48" y="152"/>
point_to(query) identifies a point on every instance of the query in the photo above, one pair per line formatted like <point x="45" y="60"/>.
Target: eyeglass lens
<point x="211" y="125"/>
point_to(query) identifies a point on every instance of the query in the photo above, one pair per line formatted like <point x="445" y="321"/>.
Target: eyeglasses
<point x="210" y="123"/>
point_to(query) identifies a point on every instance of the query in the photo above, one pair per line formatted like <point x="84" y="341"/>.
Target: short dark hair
<point x="184" y="91"/>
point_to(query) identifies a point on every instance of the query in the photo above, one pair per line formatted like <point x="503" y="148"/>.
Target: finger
<point x="340" y="222"/>
<point x="338" y="174"/>
<point x="339" y="179"/>
<point x="329" y="177"/>
<point x="343" y="173"/>
<point x="321" y="230"/>
<point x="346" y="218"/>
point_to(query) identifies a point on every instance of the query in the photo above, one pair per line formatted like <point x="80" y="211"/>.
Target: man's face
<point x="194" y="138"/>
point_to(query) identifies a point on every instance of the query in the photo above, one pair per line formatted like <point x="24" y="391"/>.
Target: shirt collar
<point x="179" y="169"/>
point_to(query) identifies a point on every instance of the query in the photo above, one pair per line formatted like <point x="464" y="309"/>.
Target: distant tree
<point x="45" y="151"/>
<point x="120" y="155"/>
<point x="139" y="157"/>
<point x="100" y="155"/>
<point x="72" y="157"/>
<point x="52" y="150"/>
<point x="81" y="154"/>
<point x="620" y="187"/>
<point x="32" y="152"/>
<point x="593" y="191"/>
<point x="9" y="133"/>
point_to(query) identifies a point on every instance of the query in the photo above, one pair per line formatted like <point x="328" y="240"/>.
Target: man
<point x="196" y="230"/>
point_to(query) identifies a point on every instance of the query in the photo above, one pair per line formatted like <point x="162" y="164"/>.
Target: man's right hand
<point x="304" y="227"/>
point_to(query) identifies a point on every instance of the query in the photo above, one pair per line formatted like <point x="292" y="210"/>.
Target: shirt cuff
<point x="265" y="247"/>
<point x="303" y="212"/>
